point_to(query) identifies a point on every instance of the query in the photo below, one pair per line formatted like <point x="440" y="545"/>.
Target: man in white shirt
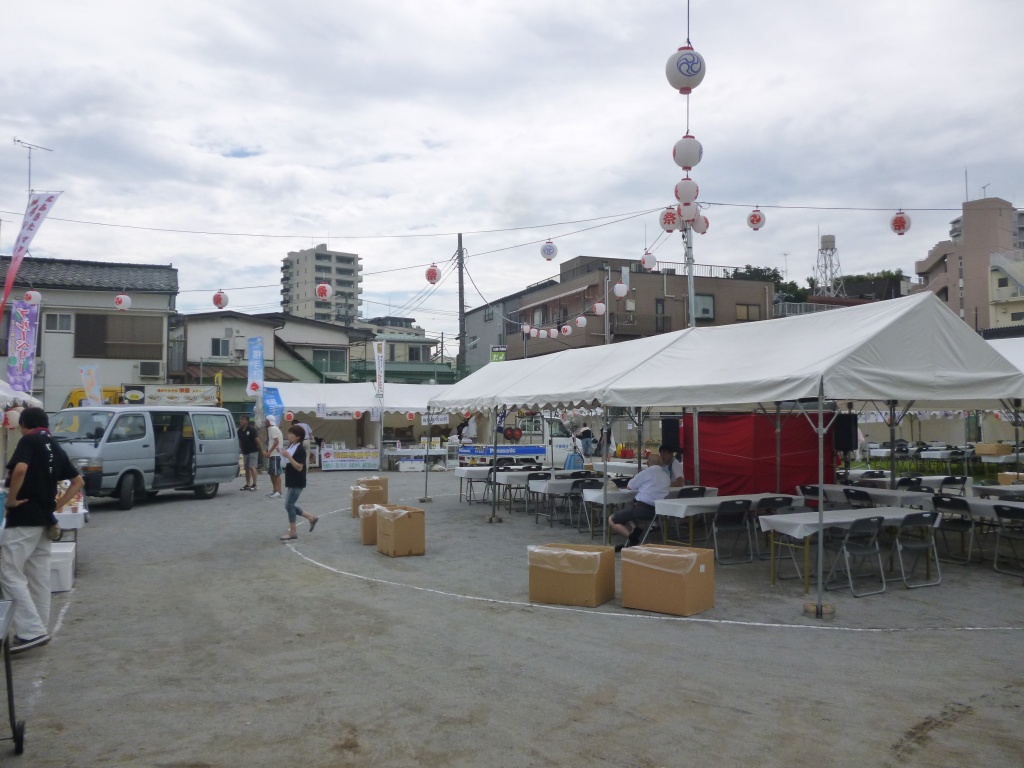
<point x="275" y="443"/>
<point x="672" y="466"/>
<point x="650" y="485"/>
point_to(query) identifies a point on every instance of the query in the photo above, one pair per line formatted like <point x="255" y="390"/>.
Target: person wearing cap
<point x="275" y="444"/>
<point x="651" y="484"/>
<point x="672" y="466"/>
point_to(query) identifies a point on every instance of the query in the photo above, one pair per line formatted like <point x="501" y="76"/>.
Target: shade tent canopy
<point x="902" y="349"/>
<point x="1011" y="349"/>
<point x="362" y="396"/>
<point x="10" y="396"/>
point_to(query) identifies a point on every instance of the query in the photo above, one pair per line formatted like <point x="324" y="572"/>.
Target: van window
<point x="558" y="428"/>
<point x="79" y="425"/>
<point x="129" y="426"/>
<point x="211" y="426"/>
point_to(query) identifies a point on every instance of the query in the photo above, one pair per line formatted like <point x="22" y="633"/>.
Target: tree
<point x="784" y="290"/>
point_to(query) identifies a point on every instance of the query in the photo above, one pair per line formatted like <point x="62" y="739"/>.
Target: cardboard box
<point x="368" y="522"/>
<point x="62" y="566"/>
<point x="1010" y="478"/>
<point x="571" y="574"/>
<point x="674" y="580"/>
<point x="993" y="449"/>
<point x="367" y="494"/>
<point x="379" y="480"/>
<point x="401" y="531"/>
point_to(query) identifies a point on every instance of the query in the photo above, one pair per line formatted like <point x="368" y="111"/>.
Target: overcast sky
<point x="384" y="128"/>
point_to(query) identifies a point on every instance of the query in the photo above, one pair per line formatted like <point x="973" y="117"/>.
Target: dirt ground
<point x="193" y="637"/>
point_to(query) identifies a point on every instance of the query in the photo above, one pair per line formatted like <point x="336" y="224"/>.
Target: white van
<point x="131" y="452"/>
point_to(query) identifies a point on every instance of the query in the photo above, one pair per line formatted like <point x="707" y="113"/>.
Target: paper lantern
<point x="549" y="250"/>
<point x="687" y="152"/>
<point x="467" y="414"/>
<point x="700" y="224"/>
<point x="620" y="289"/>
<point x="599" y="308"/>
<point x="220" y="299"/>
<point x="581" y="322"/>
<point x="685" y="69"/>
<point x="900" y="223"/>
<point x="542" y="333"/>
<point x="289" y="416"/>
<point x="123" y="301"/>
<point x="357" y="415"/>
<point x="755" y="219"/>
<point x="687" y="211"/>
<point x="12" y="417"/>
<point x="687" y="190"/>
<point x="410" y="416"/>
<point x="566" y="330"/>
<point x="669" y="220"/>
<point x="433" y="274"/>
<point x="534" y="333"/>
<point x="32" y="297"/>
<point x="324" y="291"/>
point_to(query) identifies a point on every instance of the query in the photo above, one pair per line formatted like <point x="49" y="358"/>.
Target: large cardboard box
<point x="571" y="574"/>
<point x="368" y="522"/>
<point x="675" y="580"/>
<point x="401" y="531"/>
<point x="62" y="566"/>
<point x="379" y="480"/>
<point x="367" y="494"/>
<point x="1011" y="478"/>
<point x="993" y="449"/>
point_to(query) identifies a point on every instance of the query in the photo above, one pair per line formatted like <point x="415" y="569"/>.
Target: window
<point x="323" y="257"/>
<point x="324" y="317"/>
<point x="488" y="314"/>
<point x="322" y="270"/>
<point x="211" y="426"/>
<point x="220" y="348"/>
<point x="118" y="337"/>
<point x="391" y="352"/>
<point x="414" y="354"/>
<point x="704" y="306"/>
<point x="1017" y="316"/>
<point x="56" y="322"/>
<point x="322" y="304"/>
<point x="1002" y="282"/>
<point x="331" y="360"/>
<point x="130" y="426"/>
<point x="540" y="316"/>
<point x="748" y="312"/>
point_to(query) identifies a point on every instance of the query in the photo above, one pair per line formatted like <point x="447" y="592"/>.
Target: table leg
<point x="807" y="564"/>
<point x="772" y="551"/>
<point x="17" y="728"/>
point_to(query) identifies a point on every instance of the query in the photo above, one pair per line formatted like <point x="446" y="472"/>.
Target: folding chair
<point x="859" y="543"/>
<point x="916" y="535"/>
<point x="766" y="506"/>
<point x="810" y="494"/>
<point x="536" y="497"/>
<point x="588" y="484"/>
<point x="956" y="518"/>
<point x="908" y="483"/>
<point x="953" y="485"/>
<point x="858" y="498"/>
<point x="1011" y="529"/>
<point x="956" y="456"/>
<point x="733" y="517"/>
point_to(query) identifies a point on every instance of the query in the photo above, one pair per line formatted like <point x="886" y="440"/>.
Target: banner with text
<point x="21" y="345"/>
<point x="39" y="205"/>
<point x="255" y="386"/>
<point x="378" y="360"/>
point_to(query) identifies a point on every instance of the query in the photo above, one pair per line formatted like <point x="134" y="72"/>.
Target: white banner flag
<point x="378" y="359"/>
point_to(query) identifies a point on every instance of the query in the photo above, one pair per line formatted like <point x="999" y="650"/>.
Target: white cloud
<point x="325" y="121"/>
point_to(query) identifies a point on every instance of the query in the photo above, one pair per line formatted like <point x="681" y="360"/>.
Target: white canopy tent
<point x="398" y="398"/>
<point x="910" y="350"/>
<point x="10" y="396"/>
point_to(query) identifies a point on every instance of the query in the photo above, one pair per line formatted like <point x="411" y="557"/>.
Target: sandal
<point x="288" y="537"/>
<point x="312" y="525"/>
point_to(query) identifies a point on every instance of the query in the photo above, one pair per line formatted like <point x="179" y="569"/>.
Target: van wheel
<point x="207" y="491"/>
<point x="126" y="492"/>
<point x="151" y="494"/>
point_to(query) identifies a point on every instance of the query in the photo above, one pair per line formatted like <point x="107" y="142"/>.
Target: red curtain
<point x="737" y="452"/>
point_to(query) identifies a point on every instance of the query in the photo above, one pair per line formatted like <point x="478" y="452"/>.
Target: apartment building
<point x="302" y="271"/>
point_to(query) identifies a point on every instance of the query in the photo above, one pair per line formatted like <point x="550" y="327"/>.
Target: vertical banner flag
<point x="91" y="385"/>
<point x="21" y="345"/>
<point x="39" y="205"/>
<point x="378" y="359"/>
<point x="255" y="386"/>
<point x="500" y="425"/>
<point x="272" y="403"/>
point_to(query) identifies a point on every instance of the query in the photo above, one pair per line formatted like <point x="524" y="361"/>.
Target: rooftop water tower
<point x="828" y="278"/>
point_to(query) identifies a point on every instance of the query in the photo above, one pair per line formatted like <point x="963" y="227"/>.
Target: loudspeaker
<point x="844" y="432"/>
<point x="670" y="434"/>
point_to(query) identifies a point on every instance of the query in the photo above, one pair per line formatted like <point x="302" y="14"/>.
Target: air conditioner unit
<point x="40" y="367"/>
<point x="241" y="343"/>
<point x="151" y="369"/>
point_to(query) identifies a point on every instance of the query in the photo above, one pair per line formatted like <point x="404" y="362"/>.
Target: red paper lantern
<point x="620" y="289"/>
<point x="220" y="299"/>
<point x="289" y="416"/>
<point x="900" y="223"/>
<point x="755" y="219"/>
<point x="123" y="301"/>
<point x="700" y="224"/>
<point x="433" y="274"/>
<point x="687" y="152"/>
<point x="581" y="322"/>
<point x="467" y="414"/>
<point x="12" y="417"/>
<point x="566" y="330"/>
<point x="32" y="297"/>
<point x="324" y="291"/>
<point x="599" y="308"/>
<point x="357" y="415"/>
<point x="669" y="220"/>
<point x="410" y="416"/>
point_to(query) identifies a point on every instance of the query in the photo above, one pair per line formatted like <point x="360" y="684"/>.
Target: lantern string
<point x="688" y="24"/>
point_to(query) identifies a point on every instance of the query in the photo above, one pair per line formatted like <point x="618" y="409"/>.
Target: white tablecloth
<point x="802" y="524"/>
<point x="880" y="496"/>
<point x="703" y="505"/>
<point x="617" y="467"/>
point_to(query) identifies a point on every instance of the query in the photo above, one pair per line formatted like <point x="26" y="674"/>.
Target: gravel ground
<point x="193" y="637"/>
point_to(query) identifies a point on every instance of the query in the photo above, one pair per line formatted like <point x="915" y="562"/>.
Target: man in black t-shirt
<point x="250" y="446"/>
<point x="35" y="468"/>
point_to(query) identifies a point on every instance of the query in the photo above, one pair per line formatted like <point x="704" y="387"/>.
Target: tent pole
<point x="778" y="447"/>
<point x="426" y="462"/>
<point x="606" y="426"/>
<point x="892" y="443"/>
<point x="1016" y="431"/>
<point x="494" y="474"/>
<point x="696" y="447"/>
<point x="819" y="610"/>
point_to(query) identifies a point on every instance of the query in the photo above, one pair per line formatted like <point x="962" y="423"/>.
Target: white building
<point x="302" y="271"/>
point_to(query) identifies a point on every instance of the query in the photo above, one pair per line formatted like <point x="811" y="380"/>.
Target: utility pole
<point x="460" y="361"/>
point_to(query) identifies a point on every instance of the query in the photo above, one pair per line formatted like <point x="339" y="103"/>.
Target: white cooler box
<point x="62" y="566"/>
